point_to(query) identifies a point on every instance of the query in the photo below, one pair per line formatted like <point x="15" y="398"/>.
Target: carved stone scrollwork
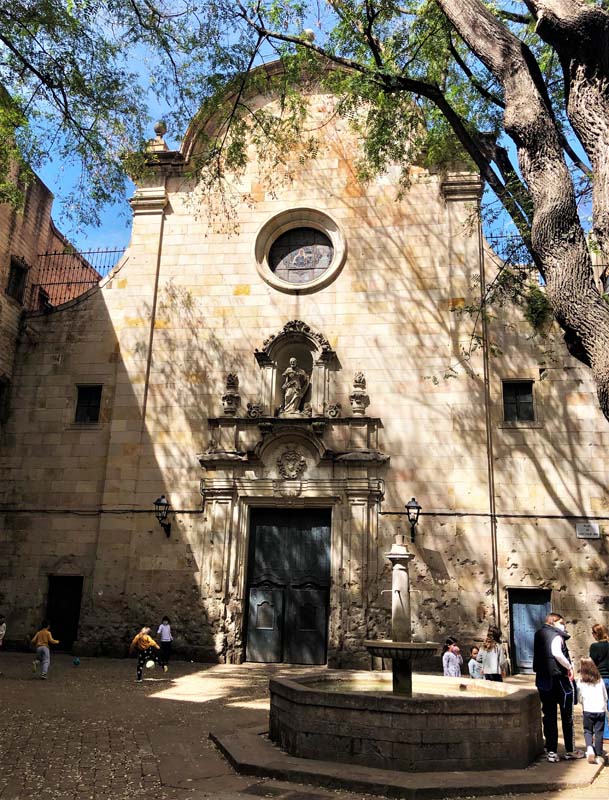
<point x="255" y="410"/>
<point x="291" y="464"/>
<point x="333" y="410"/>
<point x="297" y="326"/>
<point x="358" y="398"/>
<point x="231" y="400"/>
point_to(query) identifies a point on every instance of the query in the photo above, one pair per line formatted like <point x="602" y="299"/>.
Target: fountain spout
<point x="401" y="623"/>
<point x="400" y="648"/>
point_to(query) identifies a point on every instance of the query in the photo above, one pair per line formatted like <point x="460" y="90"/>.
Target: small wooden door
<point x="288" y="586"/>
<point x="528" y="610"/>
<point x="63" y="608"/>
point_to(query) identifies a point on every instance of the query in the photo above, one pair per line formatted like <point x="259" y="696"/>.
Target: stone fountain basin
<point x="450" y="723"/>
<point x="401" y="651"/>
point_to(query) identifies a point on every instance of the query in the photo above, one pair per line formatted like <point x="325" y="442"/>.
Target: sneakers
<point x="165" y="668"/>
<point x="574" y="754"/>
<point x="43" y="677"/>
<point x="553" y="757"/>
<point x="34" y="665"/>
<point x="591" y="755"/>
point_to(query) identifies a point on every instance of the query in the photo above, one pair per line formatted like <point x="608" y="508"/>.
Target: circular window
<point x="300" y="255"/>
<point x="299" y="251"/>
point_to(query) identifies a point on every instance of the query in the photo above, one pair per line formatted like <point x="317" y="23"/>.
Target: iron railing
<point x="67" y="274"/>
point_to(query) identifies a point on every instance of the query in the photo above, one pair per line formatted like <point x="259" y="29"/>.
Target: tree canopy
<point x="520" y="89"/>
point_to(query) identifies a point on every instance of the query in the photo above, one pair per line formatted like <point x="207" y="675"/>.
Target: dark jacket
<point x="544" y="663"/>
<point x="599" y="653"/>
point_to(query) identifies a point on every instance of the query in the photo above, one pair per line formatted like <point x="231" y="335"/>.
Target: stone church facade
<point x="289" y="385"/>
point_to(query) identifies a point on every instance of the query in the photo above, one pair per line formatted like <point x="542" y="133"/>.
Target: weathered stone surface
<point x="382" y="730"/>
<point x="77" y="500"/>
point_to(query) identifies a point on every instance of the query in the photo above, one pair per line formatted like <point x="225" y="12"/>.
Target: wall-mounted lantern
<point x="161" y="509"/>
<point x="413" y="509"/>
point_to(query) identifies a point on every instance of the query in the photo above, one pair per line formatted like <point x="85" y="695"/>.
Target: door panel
<point x="265" y="624"/>
<point x="289" y="571"/>
<point x="306" y="626"/>
<point x="528" y="610"/>
<point x="269" y="555"/>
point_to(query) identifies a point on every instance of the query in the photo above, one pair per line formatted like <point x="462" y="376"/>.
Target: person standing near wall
<point x="554" y="680"/>
<point x="166" y="638"/>
<point x="451" y="659"/>
<point x="41" y="641"/>
<point x="474" y="668"/>
<point x="490" y="657"/>
<point x="599" y="653"/>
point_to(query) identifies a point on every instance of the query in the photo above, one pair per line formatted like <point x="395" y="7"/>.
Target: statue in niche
<point x="294" y="386"/>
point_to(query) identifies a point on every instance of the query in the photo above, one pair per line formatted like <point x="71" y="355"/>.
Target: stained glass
<point x="300" y="255"/>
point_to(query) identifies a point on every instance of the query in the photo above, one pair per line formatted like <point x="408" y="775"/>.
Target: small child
<point x="41" y="641"/>
<point x="164" y="632"/>
<point x="143" y="644"/>
<point x="593" y="698"/>
<point x="475" y="669"/>
<point x="451" y="659"/>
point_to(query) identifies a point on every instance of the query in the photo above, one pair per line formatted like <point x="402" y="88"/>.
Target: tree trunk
<point x="580" y="35"/>
<point x="557" y="237"/>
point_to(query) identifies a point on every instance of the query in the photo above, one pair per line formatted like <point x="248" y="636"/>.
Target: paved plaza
<point x="90" y="732"/>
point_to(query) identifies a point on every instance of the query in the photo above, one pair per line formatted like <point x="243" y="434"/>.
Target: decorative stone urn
<point x="231" y="400"/>
<point x="358" y="398"/>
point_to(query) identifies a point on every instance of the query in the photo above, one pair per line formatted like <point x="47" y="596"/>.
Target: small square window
<point x="518" y="401"/>
<point x="88" y="404"/>
<point x="17" y="279"/>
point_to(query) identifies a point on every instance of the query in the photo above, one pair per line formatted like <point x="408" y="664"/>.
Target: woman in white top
<point x="490" y="657"/>
<point x="593" y="697"/>
<point x="166" y="638"/>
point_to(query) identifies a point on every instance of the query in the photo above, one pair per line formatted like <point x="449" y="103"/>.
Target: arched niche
<point x="313" y="353"/>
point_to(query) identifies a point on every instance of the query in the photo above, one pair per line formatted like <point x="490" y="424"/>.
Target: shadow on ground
<point x="90" y="732"/>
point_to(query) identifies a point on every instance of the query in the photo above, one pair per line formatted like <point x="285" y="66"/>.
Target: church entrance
<point x="288" y="586"/>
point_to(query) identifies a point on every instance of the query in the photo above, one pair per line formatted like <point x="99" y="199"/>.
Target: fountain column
<point x="401" y="625"/>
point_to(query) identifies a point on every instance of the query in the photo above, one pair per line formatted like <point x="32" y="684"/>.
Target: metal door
<point x="288" y="586"/>
<point x="528" y="610"/>
<point x="264" y="624"/>
<point x="306" y="625"/>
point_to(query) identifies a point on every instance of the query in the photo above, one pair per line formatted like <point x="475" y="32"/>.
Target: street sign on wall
<point x="587" y="530"/>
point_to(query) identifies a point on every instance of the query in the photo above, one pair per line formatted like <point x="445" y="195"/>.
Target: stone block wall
<point x="188" y="304"/>
<point x="496" y="728"/>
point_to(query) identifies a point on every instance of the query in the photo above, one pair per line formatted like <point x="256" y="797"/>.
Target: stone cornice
<point x="462" y="186"/>
<point x="149" y="200"/>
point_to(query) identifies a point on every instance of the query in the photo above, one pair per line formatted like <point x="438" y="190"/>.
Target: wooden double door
<point x="288" y="586"/>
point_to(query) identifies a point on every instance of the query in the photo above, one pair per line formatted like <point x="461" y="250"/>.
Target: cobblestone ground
<point x="90" y="732"/>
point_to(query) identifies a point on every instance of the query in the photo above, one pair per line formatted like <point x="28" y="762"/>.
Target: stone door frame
<point x="354" y="504"/>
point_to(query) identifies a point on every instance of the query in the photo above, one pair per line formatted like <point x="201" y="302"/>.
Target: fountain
<point x="444" y="724"/>
<point x="400" y="649"/>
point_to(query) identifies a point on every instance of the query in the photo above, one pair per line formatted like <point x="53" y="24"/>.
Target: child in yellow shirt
<point x="143" y="644"/>
<point x="41" y="641"/>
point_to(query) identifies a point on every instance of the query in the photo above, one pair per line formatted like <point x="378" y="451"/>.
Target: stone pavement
<point x="91" y="733"/>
